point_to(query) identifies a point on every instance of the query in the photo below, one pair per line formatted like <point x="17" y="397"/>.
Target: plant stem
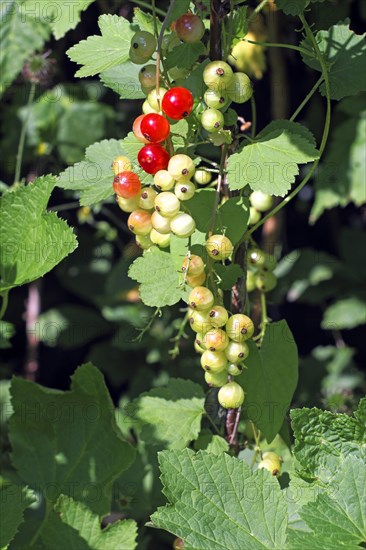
<point x="307" y="98"/>
<point x="257" y="439"/>
<point x="279" y="45"/>
<point x="219" y="187"/>
<point x="177" y="338"/>
<point x="254" y="116"/>
<point x="23" y="132"/>
<point x="4" y="305"/>
<point x="160" y="41"/>
<point x="148" y="6"/>
<point x="156" y="32"/>
<point x="257" y="10"/>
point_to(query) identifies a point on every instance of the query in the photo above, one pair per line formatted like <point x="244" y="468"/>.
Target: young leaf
<point x="170" y="417"/>
<point x="34" y="241"/>
<point x="158" y="278"/>
<point x="184" y="55"/>
<point x="270" y="379"/>
<point x="228" y="275"/>
<point x="345" y="55"/>
<point x="215" y="501"/>
<point x="77" y="525"/>
<point x="14" y="499"/>
<point x="294" y="7"/>
<point x="99" y="53"/>
<point x="60" y="439"/>
<point x="271" y="163"/>
<point x="66" y="15"/>
<point x="323" y="440"/>
<point x="345" y="314"/>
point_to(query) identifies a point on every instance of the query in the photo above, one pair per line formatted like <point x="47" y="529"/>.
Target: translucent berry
<point x="182" y="225"/>
<point x="163" y="180"/>
<point x="212" y="120"/>
<point x="213" y="361"/>
<point x="237" y="352"/>
<point x="239" y="327"/>
<point x="139" y="222"/>
<point x="218" y="75"/>
<point x="181" y="167"/>
<point x="185" y="190"/>
<point x="159" y="223"/>
<point x="218" y="316"/>
<point x="167" y="204"/>
<point x="240" y="88"/>
<point x="153" y="157"/>
<point x="193" y="265"/>
<point x="177" y="103"/>
<point x="126" y="184"/>
<point x="202" y="177"/>
<point x="155" y="128"/>
<point x="160" y="239"/>
<point x="121" y="164"/>
<point x="217" y="379"/>
<point x="201" y="298"/>
<point x="231" y="396"/>
<point x="147" y="198"/>
<point x="219" y="247"/>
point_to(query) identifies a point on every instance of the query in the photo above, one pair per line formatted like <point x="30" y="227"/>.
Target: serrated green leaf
<point x="347" y="313"/>
<point x="323" y="440"/>
<point x="158" y="278"/>
<point x="341" y="177"/>
<point x="99" y="53"/>
<point x="33" y="241"/>
<point x="217" y="445"/>
<point x="345" y="54"/>
<point x="337" y="519"/>
<point x="294" y="7"/>
<point x="77" y="525"/>
<point x="124" y="80"/>
<point x="185" y="55"/>
<point x="170" y="417"/>
<point x="271" y="163"/>
<point x="60" y="439"/>
<point x="14" y="499"/>
<point x="201" y="208"/>
<point x="66" y="15"/>
<point x="21" y="35"/>
<point x="212" y="503"/>
<point x="232" y="218"/>
<point x="239" y="24"/>
<point x="228" y="275"/>
<point x="270" y="379"/>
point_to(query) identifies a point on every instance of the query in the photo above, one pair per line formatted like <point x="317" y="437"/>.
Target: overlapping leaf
<point x="14" y="499"/>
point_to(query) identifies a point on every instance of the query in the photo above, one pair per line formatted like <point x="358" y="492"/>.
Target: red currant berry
<point x="153" y="158"/>
<point x="136" y="128"/>
<point x="155" y="128"/>
<point x="126" y="184"/>
<point x="177" y="103"/>
<point x="139" y="222"/>
<point x="189" y="28"/>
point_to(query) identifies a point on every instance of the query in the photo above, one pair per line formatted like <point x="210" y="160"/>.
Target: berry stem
<point x="23" y="132"/>
<point x="257" y="10"/>
<point x="160" y="41"/>
<point x="254" y="116"/>
<point x="307" y="98"/>
<point x="219" y="187"/>
<point x="4" y="305"/>
<point x="174" y="352"/>
<point x="257" y="448"/>
<point x="304" y="51"/>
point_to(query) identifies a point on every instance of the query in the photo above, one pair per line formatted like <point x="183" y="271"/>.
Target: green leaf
<point x="34" y="241"/>
<point x="271" y="163"/>
<point x="14" y="499"/>
<point x="171" y="416"/>
<point x="70" y="326"/>
<point x="131" y="145"/>
<point x="158" y="278"/>
<point x="184" y="55"/>
<point x="21" y="35"/>
<point x="60" y="439"/>
<point x="341" y="175"/>
<point x="337" y="518"/>
<point x="93" y="177"/>
<point x="123" y="79"/>
<point x="345" y="314"/>
<point x="145" y="21"/>
<point x="99" y="53"/>
<point x="7" y="331"/>
<point x="232" y="218"/>
<point x="345" y="54"/>
<point x="217" y="445"/>
<point x="201" y="208"/>
<point x="194" y="82"/>
<point x="239" y="24"/>
<point x="294" y="7"/>
<point x="228" y="275"/>
<point x="270" y="379"/>
<point x="66" y="15"/>
<point x="323" y="440"/>
<point x="212" y="503"/>
<point x="77" y="525"/>
<point x="178" y="9"/>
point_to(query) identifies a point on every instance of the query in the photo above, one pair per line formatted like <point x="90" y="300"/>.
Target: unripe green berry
<point x="144" y="241"/>
<point x="236" y="352"/>
<point x="128" y="205"/>
<point x="213" y="361"/>
<point x="181" y="167"/>
<point x="219" y="247"/>
<point x="201" y="298"/>
<point x="163" y="180"/>
<point x="251" y="281"/>
<point x="218" y="75"/>
<point x="261" y="201"/>
<point x="240" y="89"/>
<point x="234" y="369"/>
<point x="239" y="327"/>
<point x="152" y="98"/>
<point x="182" y="225"/>
<point x="199" y="322"/>
<point x="216" y="339"/>
<point x="254" y="216"/>
<point x="271" y="462"/>
<point x="215" y="100"/>
<point x="218" y="316"/>
<point x="231" y="396"/>
<point x="184" y="190"/>
<point x="202" y="177"/>
<point x="212" y="120"/>
<point x="266" y="281"/>
<point x="217" y="379"/>
<point x="193" y="265"/>
<point x="147" y="76"/>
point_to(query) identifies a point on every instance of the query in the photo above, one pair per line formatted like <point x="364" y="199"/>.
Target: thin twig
<point x="23" y="132"/>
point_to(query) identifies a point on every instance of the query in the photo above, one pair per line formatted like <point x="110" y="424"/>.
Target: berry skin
<point x="218" y="75"/>
<point x="218" y="316"/>
<point x="177" y="103"/>
<point x="155" y="128"/>
<point x="201" y="298"/>
<point x="144" y="242"/>
<point x="256" y="257"/>
<point x="126" y="185"/>
<point x="121" y="164"/>
<point x="261" y="201"/>
<point x="266" y="281"/>
<point x="231" y="396"/>
<point x="215" y="100"/>
<point x="198" y="280"/>
<point x="147" y="198"/>
<point x="128" y="205"/>
<point x="193" y="265"/>
<point x="136" y="129"/>
<point x="181" y="167"/>
<point x="152" y="98"/>
<point x="239" y="327"/>
<point x="271" y="462"/>
<point x="216" y="340"/>
<point x="147" y="76"/>
<point x="240" y="89"/>
<point x="163" y="180"/>
<point x="251" y="281"/>
<point x="254" y="216"/>
<point x="160" y="224"/>
<point x="143" y="45"/>
<point x="189" y="28"/>
<point x="216" y="379"/>
<point x="167" y="204"/>
<point x="236" y="352"/>
<point x="147" y="109"/>
<point x="182" y="225"/>
<point x="212" y="120"/>
<point x="234" y="369"/>
<point x="152" y="158"/>
<point x="213" y="361"/>
<point x="185" y="190"/>
<point x="199" y="323"/>
<point x="160" y="239"/>
<point x="139" y="222"/>
<point x="219" y="247"/>
<point x="202" y="177"/>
